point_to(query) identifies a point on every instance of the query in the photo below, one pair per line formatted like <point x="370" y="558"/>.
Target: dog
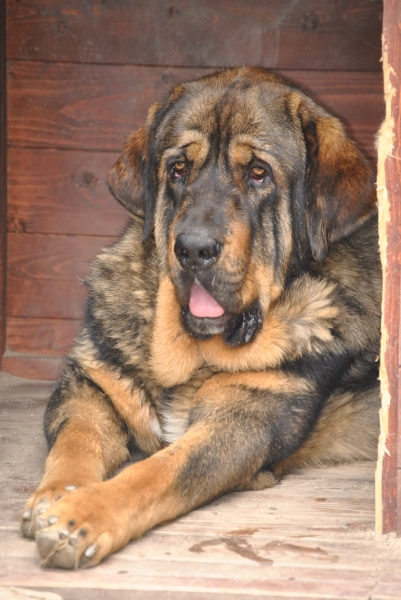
<point x="232" y="333"/>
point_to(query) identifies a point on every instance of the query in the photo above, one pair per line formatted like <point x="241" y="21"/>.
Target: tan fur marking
<point x="272" y="380"/>
<point x="287" y="331"/>
<point x="241" y="153"/>
<point x="88" y="448"/>
<point x="82" y="436"/>
<point x="142" y="496"/>
<point x="175" y="354"/>
<point x="259" y="284"/>
<point x="195" y="145"/>
<point x="236" y="251"/>
<point x="133" y="406"/>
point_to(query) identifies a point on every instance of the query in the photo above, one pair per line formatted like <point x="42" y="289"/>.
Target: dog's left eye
<point x="178" y="169"/>
<point x="259" y="174"/>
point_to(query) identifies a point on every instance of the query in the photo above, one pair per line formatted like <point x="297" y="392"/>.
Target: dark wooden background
<point x="81" y="75"/>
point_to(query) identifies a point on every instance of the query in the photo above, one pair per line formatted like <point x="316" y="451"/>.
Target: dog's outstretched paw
<point x="38" y="504"/>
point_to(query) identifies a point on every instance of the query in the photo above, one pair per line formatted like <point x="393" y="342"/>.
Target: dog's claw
<point x="90" y="551"/>
<point x="63" y="534"/>
<point x="26" y="528"/>
<point x="86" y="559"/>
<point x="52" y="520"/>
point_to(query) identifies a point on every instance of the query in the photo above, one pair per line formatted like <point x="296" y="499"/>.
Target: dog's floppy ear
<point x="339" y="188"/>
<point x="131" y="180"/>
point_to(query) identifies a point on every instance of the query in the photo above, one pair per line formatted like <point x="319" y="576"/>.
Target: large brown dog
<point x="232" y="332"/>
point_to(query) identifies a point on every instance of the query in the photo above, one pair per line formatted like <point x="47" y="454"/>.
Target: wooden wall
<point x="388" y="474"/>
<point x="81" y="75"/>
<point x="3" y="181"/>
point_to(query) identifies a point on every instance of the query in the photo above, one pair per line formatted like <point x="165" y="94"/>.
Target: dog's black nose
<point x="196" y="252"/>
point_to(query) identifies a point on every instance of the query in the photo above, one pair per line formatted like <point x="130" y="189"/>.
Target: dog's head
<point x="244" y="181"/>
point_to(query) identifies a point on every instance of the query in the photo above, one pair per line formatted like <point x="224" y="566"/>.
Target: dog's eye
<point x="259" y="174"/>
<point x="178" y="169"/>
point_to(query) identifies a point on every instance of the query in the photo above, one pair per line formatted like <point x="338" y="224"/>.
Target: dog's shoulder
<point x="122" y="284"/>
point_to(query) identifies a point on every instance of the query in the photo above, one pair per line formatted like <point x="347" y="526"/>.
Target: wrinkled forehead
<point x="259" y="116"/>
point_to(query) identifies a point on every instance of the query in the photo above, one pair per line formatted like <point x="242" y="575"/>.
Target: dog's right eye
<point x="178" y="169"/>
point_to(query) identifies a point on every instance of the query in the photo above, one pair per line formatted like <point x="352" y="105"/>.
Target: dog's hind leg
<point x="347" y="430"/>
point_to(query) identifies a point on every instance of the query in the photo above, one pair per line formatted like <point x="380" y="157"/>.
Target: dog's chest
<point x="176" y="406"/>
<point x="174" y="418"/>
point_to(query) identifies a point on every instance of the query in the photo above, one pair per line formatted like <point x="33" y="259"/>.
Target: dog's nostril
<point x="198" y="252"/>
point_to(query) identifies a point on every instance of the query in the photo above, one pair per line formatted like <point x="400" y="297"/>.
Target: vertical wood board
<point x="389" y="177"/>
<point x="3" y="180"/>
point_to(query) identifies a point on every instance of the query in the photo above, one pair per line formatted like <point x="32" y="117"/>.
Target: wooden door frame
<point x="3" y="179"/>
<point x="388" y="474"/>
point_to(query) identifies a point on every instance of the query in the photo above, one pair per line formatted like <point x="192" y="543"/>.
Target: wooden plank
<point x="41" y="336"/>
<point x="46" y="273"/>
<point x="58" y="191"/>
<point x="389" y="175"/>
<point x="83" y="106"/>
<point x="44" y="368"/>
<point x="62" y="191"/>
<point x="309" y="537"/>
<point x="94" y="107"/>
<point x="3" y="180"/>
<point x="313" y="34"/>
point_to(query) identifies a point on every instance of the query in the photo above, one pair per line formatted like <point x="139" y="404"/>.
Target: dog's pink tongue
<point x="202" y="304"/>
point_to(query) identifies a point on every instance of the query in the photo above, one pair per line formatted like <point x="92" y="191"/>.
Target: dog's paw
<point x="81" y="529"/>
<point x="38" y="503"/>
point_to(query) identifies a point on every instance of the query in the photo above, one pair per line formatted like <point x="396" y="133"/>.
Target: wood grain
<point x="95" y="107"/>
<point x="28" y="366"/>
<point x="65" y="192"/>
<point x="312" y="34"/>
<point x="3" y="181"/>
<point x="46" y="273"/>
<point x="390" y="211"/>
<point x="309" y="537"/>
<point x="41" y="336"/>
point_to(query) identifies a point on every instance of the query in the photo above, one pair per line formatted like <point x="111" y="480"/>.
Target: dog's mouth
<point x="202" y="304"/>
<point x="205" y="317"/>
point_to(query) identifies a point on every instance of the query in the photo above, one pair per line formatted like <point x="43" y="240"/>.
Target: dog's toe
<point x="33" y="519"/>
<point x="60" y="548"/>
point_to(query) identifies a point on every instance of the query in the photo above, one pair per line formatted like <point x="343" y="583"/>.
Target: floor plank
<point x="312" y="536"/>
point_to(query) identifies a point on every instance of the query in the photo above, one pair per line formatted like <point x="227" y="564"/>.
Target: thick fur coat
<point x="231" y="333"/>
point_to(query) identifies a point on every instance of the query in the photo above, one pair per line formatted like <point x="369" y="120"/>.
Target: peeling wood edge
<point x="386" y="140"/>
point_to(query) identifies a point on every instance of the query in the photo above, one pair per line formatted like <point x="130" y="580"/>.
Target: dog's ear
<point x="131" y="178"/>
<point x="339" y="187"/>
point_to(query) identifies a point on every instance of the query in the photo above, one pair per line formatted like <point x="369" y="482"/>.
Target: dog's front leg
<point x="87" y="440"/>
<point x="238" y="424"/>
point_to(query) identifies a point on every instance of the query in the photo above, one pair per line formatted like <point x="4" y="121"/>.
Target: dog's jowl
<point x="232" y="332"/>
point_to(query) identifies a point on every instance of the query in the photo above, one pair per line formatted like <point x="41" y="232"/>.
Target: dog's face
<point x="245" y="180"/>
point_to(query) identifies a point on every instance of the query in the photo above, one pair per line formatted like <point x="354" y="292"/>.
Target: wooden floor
<point x="312" y="536"/>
